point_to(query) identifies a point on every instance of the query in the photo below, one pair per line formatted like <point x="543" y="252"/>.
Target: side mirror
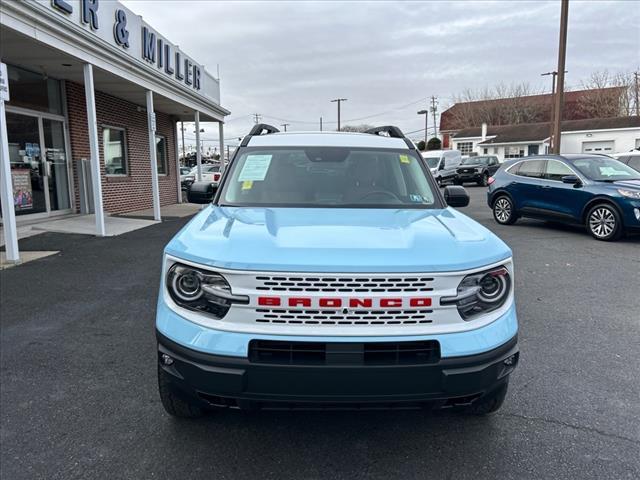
<point x="572" y="180"/>
<point x="201" y="192"/>
<point x="456" y="196"/>
<point x="441" y="166"/>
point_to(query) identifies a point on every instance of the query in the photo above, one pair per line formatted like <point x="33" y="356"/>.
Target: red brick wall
<point x="133" y="192"/>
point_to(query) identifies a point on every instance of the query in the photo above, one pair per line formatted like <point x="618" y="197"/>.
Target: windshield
<point x="475" y="161"/>
<point x="432" y="162"/>
<point x="328" y="177"/>
<point x="605" y="169"/>
<point x="184" y="170"/>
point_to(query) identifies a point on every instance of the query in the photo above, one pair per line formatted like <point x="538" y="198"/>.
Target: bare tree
<point x="501" y="105"/>
<point x="607" y="96"/>
<point x="355" y="128"/>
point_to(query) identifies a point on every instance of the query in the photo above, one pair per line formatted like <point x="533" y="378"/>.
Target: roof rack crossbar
<point x="391" y="131"/>
<point x="257" y="130"/>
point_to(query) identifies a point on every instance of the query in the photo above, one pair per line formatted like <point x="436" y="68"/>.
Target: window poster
<point x="22" y="191"/>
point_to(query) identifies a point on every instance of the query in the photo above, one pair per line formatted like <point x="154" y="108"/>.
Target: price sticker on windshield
<point x="404" y="159"/>
<point x="255" y="168"/>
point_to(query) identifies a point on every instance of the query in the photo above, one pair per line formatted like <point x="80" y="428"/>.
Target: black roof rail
<point x="393" y="132"/>
<point x="257" y="130"/>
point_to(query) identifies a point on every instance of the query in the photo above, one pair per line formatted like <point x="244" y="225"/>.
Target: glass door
<point x="38" y="160"/>
<point x="27" y="170"/>
<point x="55" y="164"/>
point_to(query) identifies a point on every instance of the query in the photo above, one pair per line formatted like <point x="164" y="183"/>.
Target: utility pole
<point x="285" y="125"/>
<point x="426" y="125"/>
<point x="553" y="74"/>
<point x="320" y="123"/>
<point x="434" y="110"/>
<point x="256" y="118"/>
<point x="339" y="100"/>
<point x="559" y="97"/>
<point x="636" y="74"/>
<point x="184" y="154"/>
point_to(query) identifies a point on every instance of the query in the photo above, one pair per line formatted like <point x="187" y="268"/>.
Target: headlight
<point x="629" y="193"/>
<point x="481" y="292"/>
<point x="201" y="291"/>
<point x="478" y="170"/>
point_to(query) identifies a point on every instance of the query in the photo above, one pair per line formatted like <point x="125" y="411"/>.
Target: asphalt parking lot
<point x="78" y="388"/>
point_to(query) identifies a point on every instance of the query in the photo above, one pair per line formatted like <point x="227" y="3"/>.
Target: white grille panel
<point x="340" y="318"/>
<point x="343" y="284"/>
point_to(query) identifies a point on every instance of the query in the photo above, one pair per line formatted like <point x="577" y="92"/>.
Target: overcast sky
<point x="286" y="60"/>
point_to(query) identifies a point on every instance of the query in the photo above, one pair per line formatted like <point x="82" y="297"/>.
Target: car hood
<point x="635" y="184"/>
<point x="336" y="240"/>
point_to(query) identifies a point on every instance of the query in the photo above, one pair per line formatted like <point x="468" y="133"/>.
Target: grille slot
<point x="357" y="284"/>
<point x="320" y="353"/>
<point x="339" y="317"/>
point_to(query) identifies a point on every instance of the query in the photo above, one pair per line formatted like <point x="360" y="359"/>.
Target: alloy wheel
<point x="502" y="210"/>
<point x="602" y="222"/>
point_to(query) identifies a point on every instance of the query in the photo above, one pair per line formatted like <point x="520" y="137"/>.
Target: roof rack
<point x="257" y="130"/>
<point x="393" y="132"/>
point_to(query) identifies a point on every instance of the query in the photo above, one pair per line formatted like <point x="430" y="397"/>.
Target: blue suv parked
<point x="592" y="190"/>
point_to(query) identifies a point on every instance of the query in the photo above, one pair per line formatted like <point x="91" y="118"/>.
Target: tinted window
<point x="556" y="170"/>
<point x="605" y="169"/>
<point x="328" y="177"/>
<point x="475" y="161"/>
<point x="531" y="168"/>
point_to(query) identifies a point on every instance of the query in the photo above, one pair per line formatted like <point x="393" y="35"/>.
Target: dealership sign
<point x="112" y="22"/>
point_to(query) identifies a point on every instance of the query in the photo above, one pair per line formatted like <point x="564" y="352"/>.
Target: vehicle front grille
<point x="321" y="353"/>
<point x="358" y="283"/>
<point x="343" y="317"/>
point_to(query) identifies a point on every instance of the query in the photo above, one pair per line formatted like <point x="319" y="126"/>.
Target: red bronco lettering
<point x="334" y="302"/>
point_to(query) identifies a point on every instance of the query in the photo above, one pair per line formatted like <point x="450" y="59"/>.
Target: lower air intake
<point x="320" y="353"/>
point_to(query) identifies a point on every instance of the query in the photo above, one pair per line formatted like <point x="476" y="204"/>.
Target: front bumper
<point x="469" y="177"/>
<point x="215" y="380"/>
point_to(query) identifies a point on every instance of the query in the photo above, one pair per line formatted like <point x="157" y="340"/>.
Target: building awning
<point x="36" y="38"/>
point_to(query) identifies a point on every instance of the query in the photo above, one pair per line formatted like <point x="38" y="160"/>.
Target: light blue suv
<point x="329" y="270"/>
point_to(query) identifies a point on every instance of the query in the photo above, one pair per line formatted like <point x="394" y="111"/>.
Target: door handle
<point x="546" y="187"/>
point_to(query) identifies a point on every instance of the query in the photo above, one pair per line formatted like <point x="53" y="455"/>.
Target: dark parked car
<point x="592" y="190"/>
<point x="476" y="169"/>
<point x="630" y="158"/>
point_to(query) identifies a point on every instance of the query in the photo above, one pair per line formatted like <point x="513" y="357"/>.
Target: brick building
<point x="94" y="98"/>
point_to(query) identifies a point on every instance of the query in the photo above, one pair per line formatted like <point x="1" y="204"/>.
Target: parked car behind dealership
<point x="443" y="164"/>
<point x="592" y="190"/>
<point x="476" y="169"/>
<point x="631" y="158"/>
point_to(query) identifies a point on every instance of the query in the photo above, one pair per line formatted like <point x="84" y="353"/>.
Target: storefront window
<point x="161" y="154"/>
<point x="115" y="151"/>
<point x="34" y="91"/>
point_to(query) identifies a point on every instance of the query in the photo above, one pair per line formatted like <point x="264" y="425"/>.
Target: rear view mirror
<point x="456" y="196"/>
<point x="571" y="179"/>
<point x="201" y="192"/>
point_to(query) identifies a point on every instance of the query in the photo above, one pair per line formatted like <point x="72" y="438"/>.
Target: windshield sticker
<point x="247" y="185"/>
<point x="255" y="168"/>
<point x="415" y="198"/>
<point x="404" y="159"/>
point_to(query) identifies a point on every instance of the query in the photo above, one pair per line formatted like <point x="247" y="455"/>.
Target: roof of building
<point x="531" y="132"/>
<point x="572" y="108"/>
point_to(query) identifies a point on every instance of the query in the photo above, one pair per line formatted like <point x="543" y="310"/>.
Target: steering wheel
<point x="386" y="193"/>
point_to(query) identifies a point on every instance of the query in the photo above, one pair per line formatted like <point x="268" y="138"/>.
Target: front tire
<point x="604" y="223"/>
<point x="175" y="405"/>
<point x="484" y="181"/>
<point x="503" y="211"/>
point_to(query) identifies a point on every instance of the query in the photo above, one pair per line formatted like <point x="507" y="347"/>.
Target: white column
<point x="6" y="193"/>
<point x="175" y="131"/>
<point x="96" y="179"/>
<point x="221" y="134"/>
<point x="198" y="153"/>
<point x="155" y="189"/>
